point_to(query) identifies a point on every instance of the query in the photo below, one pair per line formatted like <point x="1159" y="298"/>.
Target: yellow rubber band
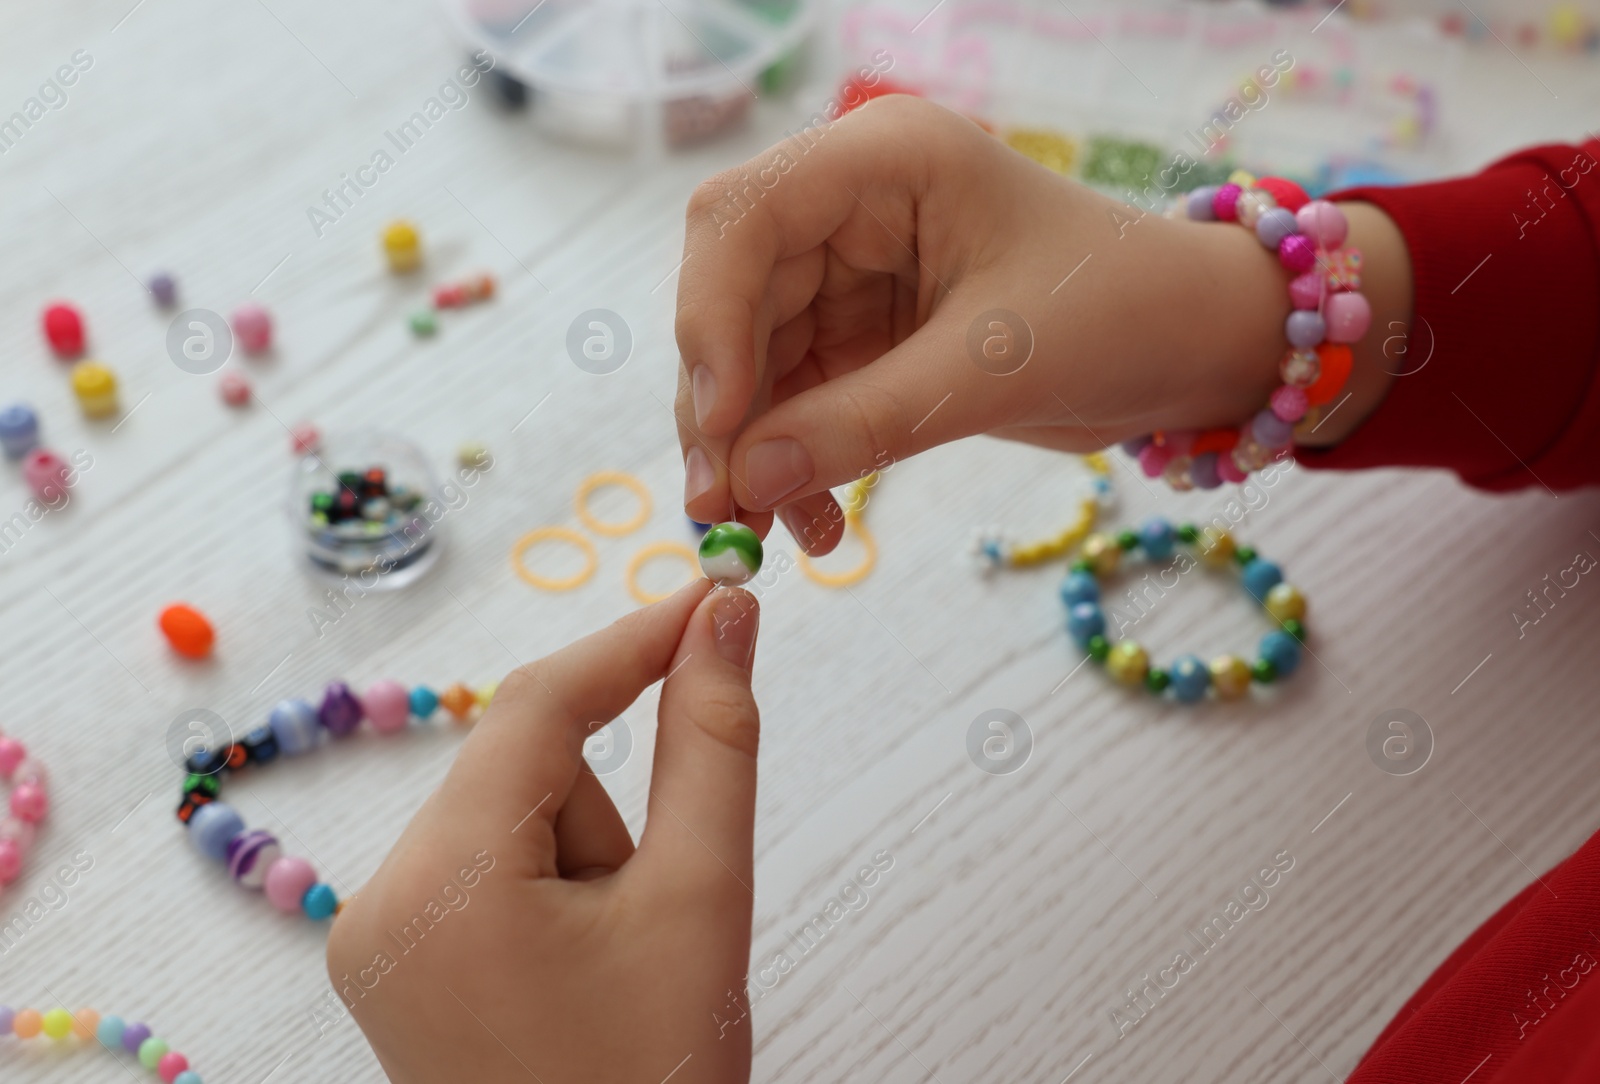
<point x="854" y="503"/>
<point x="561" y="534"/>
<point x="611" y="478"/>
<point x="649" y="553"/>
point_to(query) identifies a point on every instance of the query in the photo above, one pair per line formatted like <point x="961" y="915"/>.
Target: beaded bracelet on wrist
<point x="253" y="856"/>
<point x="29" y="803"/>
<point x="111" y="1032"/>
<point x="1188" y="678"/>
<point x="1328" y="313"/>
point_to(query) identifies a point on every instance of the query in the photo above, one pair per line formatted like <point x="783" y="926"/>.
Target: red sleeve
<point x="1506" y="311"/>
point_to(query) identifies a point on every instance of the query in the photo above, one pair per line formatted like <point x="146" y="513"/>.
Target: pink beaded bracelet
<point x="29" y="803"/>
<point x="1328" y="313"/>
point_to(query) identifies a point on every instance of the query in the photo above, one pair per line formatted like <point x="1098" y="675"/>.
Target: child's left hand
<point x="515" y="934"/>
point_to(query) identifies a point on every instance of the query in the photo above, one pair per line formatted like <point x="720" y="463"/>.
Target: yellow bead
<point x="1286" y="603"/>
<point x="403" y="246"/>
<point x="1127" y="663"/>
<point x="1050" y="149"/>
<point x="1216" y="547"/>
<point x="1103" y="552"/>
<point x="473" y="456"/>
<point x="96" y="388"/>
<point x="1230" y="676"/>
<point x="26" y="1023"/>
<point x="84" y="1023"/>
<point x="57" y="1023"/>
<point x="1241" y="177"/>
<point x="486" y="693"/>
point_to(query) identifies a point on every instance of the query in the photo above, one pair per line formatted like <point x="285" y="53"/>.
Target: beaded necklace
<point x="29" y="803"/>
<point x="111" y="1032"/>
<point x="254" y="857"/>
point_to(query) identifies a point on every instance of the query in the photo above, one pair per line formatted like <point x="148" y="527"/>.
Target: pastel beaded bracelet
<point x="113" y="1034"/>
<point x="254" y="857"/>
<point x="1188" y="678"/>
<point x="1328" y="313"/>
<point x="29" y="803"/>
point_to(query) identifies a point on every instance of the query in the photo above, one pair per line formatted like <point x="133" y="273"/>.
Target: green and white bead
<point x="730" y="554"/>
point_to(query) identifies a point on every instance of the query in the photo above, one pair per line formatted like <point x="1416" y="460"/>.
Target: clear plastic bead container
<point x="379" y="536"/>
<point x="653" y="74"/>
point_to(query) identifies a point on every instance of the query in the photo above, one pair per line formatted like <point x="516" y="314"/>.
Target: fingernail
<point x="698" y="475"/>
<point x="776" y="468"/>
<point x="799" y="526"/>
<point x="703" y="385"/>
<point x="735" y="616"/>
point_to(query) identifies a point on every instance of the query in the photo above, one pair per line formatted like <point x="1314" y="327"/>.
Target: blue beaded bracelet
<point x="1188" y="678"/>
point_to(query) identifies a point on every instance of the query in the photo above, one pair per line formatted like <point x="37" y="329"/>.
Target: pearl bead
<point x="1273" y="226"/>
<point x="388" y="705"/>
<point x="1285" y="602"/>
<point x="288" y="881"/>
<point x="1157" y="537"/>
<point x="1348" y="316"/>
<point x="1189" y="679"/>
<point x="1230" y="676"/>
<point x="1127" y="662"/>
<point x="1079" y="587"/>
<point x="294" y="724"/>
<point x="1260" y="576"/>
<point x="1322" y="223"/>
<point x="1305" y="328"/>
<point x="1216" y="547"/>
<point x="730" y="554"/>
<point x="1250" y="206"/>
<point x="1102" y="551"/>
<point x="1282" y="651"/>
<point x="1084" y="621"/>
<point x="252" y="327"/>
<point x="212" y="826"/>
<point x="1300" y="367"/>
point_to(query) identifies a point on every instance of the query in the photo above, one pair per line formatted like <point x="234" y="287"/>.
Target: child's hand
<point x="515" y="934"/>
<point x="836" y="299"/>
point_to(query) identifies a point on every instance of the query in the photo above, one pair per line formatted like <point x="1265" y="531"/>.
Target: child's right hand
<point x="837" y="291"/>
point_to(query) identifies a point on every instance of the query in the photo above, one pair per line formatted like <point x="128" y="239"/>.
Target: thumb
<point x="700" y="827"/>
<point x="920" y="394"/>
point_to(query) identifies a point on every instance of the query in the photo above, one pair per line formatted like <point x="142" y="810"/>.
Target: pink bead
<point x="253" y="328"/>
<point x="288" y="880"/>
<point x="171" y="1064"/>
<point x="1348" y="317"/>
<point x="1305" y="290"/>
<point x="305" y="437"/>
<point x="388" y="705"/>
<point x="1180" y="441"/>
<point x="11" y="754"/>
<point x="19" y="832"/>
<point x="31" y="770"/>
<point x="29" y="803"/>
<point x="1153" y="459"/>
<point x="10" y="861"/>
<point x="1229" y="471"/>
<point x="1289" y="403"/>
<point x="1226" y="202"/>
<point x="47" y="474"/>
<point x="1322" y="222"/>
<point x="234" y="388"/>
<point x="1297" y="253"/>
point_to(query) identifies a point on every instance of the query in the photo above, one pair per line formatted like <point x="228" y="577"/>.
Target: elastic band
<point x="563" y="534"/>
<point x="648" y="553"/>
<point x="611" y="478"/>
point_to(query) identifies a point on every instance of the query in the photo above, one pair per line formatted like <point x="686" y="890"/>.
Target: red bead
<point x="1289" y="196"/>
<point x="1216" y="440"/>
<point x="235" y="389"/>
<point x="449" y="296"/>
<point x="64" y="328"/>
<point x="1336" y="361"/>
<point x="305" y="438"/>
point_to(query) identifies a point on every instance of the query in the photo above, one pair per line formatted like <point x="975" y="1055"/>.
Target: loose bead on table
<point x="19" y="430"/>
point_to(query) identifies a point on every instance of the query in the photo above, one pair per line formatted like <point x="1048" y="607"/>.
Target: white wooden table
<point x="1019" y="909"/>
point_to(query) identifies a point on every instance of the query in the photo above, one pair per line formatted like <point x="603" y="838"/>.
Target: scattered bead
<point x="252" y="327"/>
<point x="305" y="438"/>
<point x="163" y="288"/>
<point x="472" y="455"/>
<point x="47" y="474"/>
<point x="423" y="323"/>
<point x="730" y="554"/>
<point x="63" y="327"/>
<point x="402" y="244"/>
<point x="234" y="387"/>
<point x="187" y="630"/>
<point x="19" y="430"/>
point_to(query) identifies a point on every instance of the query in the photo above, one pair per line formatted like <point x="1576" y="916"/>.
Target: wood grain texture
<point x="1018" y="910"/>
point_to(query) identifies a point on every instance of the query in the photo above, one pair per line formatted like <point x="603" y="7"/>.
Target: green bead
<point x="1263" y="671"/>
<point x="1157" y="681"/>
<point x="1126" y="540"/>
<point x="1083" y="565"/>
<point x="423" y="322"/>
<point x="350" y="480"/>
<point x="1244" y="554"/>
<point x="322" y="502"/>
<point x="1295" y="628"/>
<point x="1187" y="533"/>
<point x="209" y="785"/>
<point x="151" y="1051"/>
<point x="1099" y="647"/>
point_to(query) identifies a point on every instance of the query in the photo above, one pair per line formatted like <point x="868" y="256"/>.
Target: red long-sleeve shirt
<point x="1504" y="389"/>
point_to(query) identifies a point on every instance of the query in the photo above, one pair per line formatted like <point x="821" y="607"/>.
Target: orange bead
<point x="482" y="286"/>
<point x="187" y="630"/>
<point x="459" y="701"/>
<point x="85" y="1022"/>
<point x="1337" y="361"/>
<point x="27" y="1023"/>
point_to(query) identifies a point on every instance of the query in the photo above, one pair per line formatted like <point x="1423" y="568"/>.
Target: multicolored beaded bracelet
<point x="29" y="803"/>
<point x="112" y="1033"/>
<point x="1188" y="677"/>
<point x="1328" y="314"/>
<point x="253" y="856"/>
